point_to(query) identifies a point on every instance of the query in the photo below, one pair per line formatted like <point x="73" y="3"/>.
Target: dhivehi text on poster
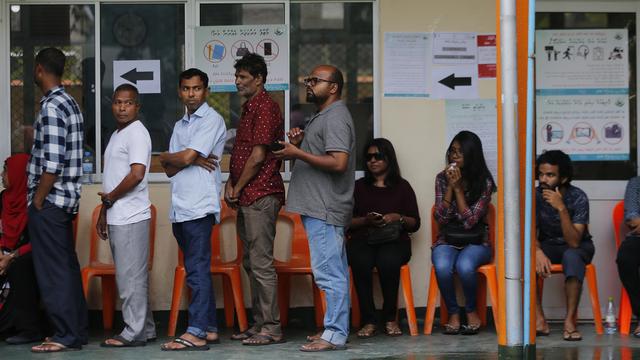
<point x="582" y="93"/>
<point x="218" y="47"/>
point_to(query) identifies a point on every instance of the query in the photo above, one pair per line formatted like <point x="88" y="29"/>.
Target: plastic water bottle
<point x="87" y="168"/>
<point x="610" y="325"/>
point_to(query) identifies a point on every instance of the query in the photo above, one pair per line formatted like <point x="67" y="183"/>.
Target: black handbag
<point x="456" y="235"/>
<point x="385" y="234"/>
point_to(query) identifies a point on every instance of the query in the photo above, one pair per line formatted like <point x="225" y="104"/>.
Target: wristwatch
<point x="402" y="220"/>
<point x="107" y="203"/>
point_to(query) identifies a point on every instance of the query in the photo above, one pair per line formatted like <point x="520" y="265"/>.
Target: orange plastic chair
<point x="489" y="279"/>
<point x="298" y="264"/>
<point x="407" y="293"/>
<point x="592" y="282"/>
<point x="625" y="313"/>
<point x="231" y="280"/>
<point x="107" y="271"/>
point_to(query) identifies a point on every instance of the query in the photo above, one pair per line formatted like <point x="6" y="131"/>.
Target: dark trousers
<point x="58" y="274"/>
<point x="388" y="259"/>
<point x="573" y="260"/>
<point x="628" y="266"/>
<point x="21" y="312"/>
<point x="194" y="239"/>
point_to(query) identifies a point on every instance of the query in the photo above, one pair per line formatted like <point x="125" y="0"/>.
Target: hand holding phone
<point x="375" y="218"/>
<point x="276" y="146"/>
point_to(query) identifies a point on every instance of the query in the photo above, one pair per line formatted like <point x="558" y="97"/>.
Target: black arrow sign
<point x="134" y="75"/>
<point x="452" y="81"/>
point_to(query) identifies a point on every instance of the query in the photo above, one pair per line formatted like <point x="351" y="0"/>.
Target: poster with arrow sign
<point x="455" y="82"/>
<point x="143" y="74"/>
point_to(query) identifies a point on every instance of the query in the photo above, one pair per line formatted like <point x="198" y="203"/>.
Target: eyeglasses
<point x="312" y="81"/>
<point x="376" y="156"/>
<point x="456" y="152"/>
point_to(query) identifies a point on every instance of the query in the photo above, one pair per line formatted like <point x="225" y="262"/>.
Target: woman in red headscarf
<point x="19" y="298"/>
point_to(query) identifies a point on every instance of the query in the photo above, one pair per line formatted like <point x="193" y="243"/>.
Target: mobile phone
<point x="267" y="49"/>
<point x="275" y="146"/>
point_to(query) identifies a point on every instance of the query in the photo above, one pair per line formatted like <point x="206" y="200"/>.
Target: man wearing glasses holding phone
<point x="255" y="188"/>
<point x="321" y="190"/>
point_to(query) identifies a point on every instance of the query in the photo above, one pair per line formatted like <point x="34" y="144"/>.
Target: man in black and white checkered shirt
<point x="54" y="172"/>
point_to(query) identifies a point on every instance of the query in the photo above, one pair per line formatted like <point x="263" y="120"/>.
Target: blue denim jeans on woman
<point x="448" y="260"/>
<point x="331" y="274"/>
<point x="194" y="239"/>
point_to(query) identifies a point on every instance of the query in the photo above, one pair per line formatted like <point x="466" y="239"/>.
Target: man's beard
<point x="547" y="187"/>
<point x="313" y="98"/>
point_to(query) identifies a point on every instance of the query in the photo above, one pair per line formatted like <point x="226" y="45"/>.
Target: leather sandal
<point x="321" y="345"/>
<point x="451" y="330"/>
<point x="367" y="331"/>
<point x="470" y="329"/>
<point x="391" y="328"/>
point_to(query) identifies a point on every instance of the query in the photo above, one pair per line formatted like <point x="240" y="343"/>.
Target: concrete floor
<point x="436" y="346"/>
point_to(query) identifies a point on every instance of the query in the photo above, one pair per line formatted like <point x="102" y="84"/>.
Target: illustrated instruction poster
<point x="218" y="47"/>
<point x="582" y="93"/>
<point x="480" y="117"/>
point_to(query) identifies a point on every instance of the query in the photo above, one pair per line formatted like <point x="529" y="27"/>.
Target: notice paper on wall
<point x="217" y="48"/>
<point x="487" y="56"/>
<point x="582" y="93"/>
<point x="406" y="71"/>
<point x="480" y="117"/>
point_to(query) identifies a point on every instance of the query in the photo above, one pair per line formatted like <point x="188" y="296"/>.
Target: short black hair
<point x="189" y="73"/>
<point x="557" y="158"/>
<point x="337" y="78"/>
<point x="127" y="87"/>
<point x="254" y="64"/>
<point x="52" y="60"/>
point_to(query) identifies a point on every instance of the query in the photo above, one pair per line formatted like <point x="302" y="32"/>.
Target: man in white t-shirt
<point x="126" y="216"/>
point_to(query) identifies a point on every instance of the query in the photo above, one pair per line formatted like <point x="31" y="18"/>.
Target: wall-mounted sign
<point x="143" y="74"/>
<point x="582" y="93"/>
<point x="218" y="47"/>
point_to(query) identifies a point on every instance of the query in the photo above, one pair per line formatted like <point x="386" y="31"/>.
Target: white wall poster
<point x="480" y="117"/>
<point x="218" y="47"/>
<point x="582" y="93"/>
<point x="406" y="71"/>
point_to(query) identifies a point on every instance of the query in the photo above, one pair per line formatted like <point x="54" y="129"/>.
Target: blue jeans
<point x="194" y="239"/>
<point x="448" y="260"/>
<point x="331" y="274"/>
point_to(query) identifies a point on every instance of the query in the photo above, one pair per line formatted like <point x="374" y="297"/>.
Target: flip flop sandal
<point x="188" y="346"/>
<point x="542" y="333"/>
<point x="367" y="331"/>
<point x="470" y="329"/>
<point x="325" y="346"/>
<point x="244" y="335"/>
<point x="60" y="348"/>
<point x="392" y="329"/>
<point x="571" y="335"/>
<point x="636" y="334"/>
<point x="124" y="343"/>
<point x="263" y="339"/>
<point x="451" y="330"/>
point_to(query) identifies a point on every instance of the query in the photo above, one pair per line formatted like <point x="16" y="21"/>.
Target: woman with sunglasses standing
<point x="385" y="212"/>
<point x="463" y="194"/>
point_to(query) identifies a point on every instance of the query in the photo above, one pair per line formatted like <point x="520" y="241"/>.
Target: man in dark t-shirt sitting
<point x="562" y="218"/>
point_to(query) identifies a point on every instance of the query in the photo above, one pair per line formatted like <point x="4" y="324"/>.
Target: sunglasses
<point x="376" y="156"/>
<point x="312" y="81"/>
